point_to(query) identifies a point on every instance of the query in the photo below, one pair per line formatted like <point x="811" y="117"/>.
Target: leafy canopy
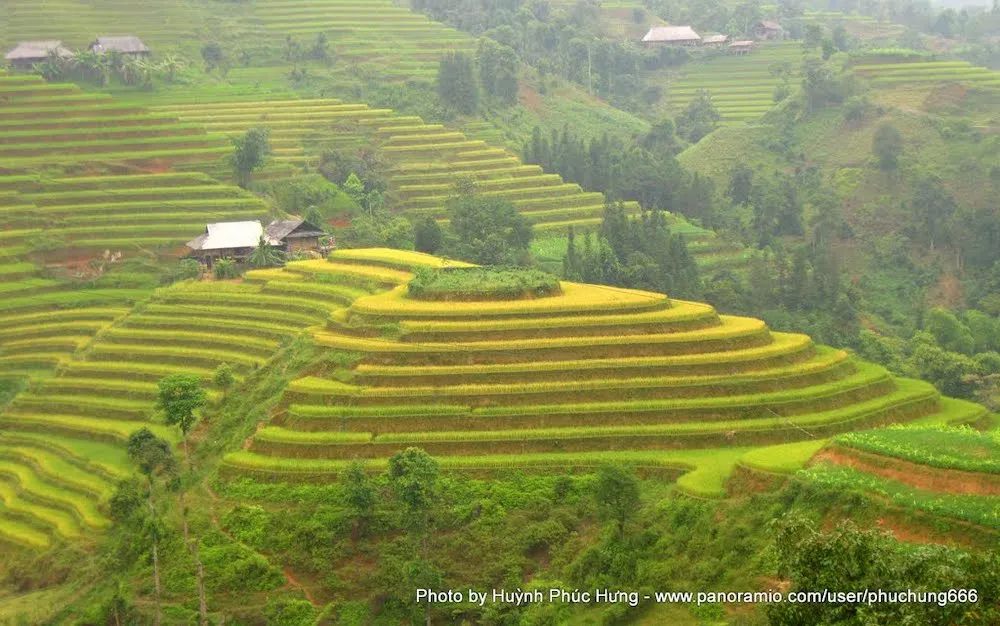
<point x="178" y="397"/>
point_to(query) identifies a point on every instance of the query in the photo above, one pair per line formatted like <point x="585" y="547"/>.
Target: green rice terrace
<point x="919" y="72"/>
<point x="564" y="380"/>
<point x="742" y="87"/>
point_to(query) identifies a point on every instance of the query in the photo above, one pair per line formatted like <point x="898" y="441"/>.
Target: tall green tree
<point x="617" y="494"/>
<point x="887" y="145"/>
<point x="178" y="397"/>
<point x="488" y="230"/>
<point x="250" y="154"/>
<point x="413" y="476"/>
<point x="457" y="84"/>
<point x="699" y="118"/>
<point x="498" y="70"/>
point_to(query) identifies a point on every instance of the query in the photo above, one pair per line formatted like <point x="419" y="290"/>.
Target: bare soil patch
<point x="915" y="475"/>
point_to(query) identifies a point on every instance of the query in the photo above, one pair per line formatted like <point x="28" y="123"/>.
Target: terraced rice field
<point x="741" y="87"/>
<point x="924" y="72"/>
<point x="592" y="370"/>
<point x="44" y="124"/>
<point x="159" y="24"/>
<point x="929" y="468"/>
<point x="61" y="441"/>
<point x="399" y="42"/>
<point x="427" y="159"/>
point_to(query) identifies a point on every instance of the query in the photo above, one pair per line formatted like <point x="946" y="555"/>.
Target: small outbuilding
<point x="741" y="47"/>
<point x="295" y="235"/>
<point x="672" y="35"/>
<point x="768" y="31"/>
<point x="129" y="45"/>
<point x="237" y="240"/>
<point x="715" y="40"/>
<point x="26" y="53"/>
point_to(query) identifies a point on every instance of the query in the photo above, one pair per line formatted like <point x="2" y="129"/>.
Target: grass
<point x="782" y="459"/>
<point x="30" y="483"/>
<point x="482" y="283"/>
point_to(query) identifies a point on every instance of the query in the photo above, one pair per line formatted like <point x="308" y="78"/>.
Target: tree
<point x="250" y="154"/>
<point x="427" y="236"/>
<point x="321" y="48"/>
<point x="178" y="397"/>
<point x="224" y="378"/>
<point x="740" y="189"/>
<point x="933" y="209"/>
<point x="887" y="146"/>
<point x="413" y="476"/>
<point x="359" y="495"/>
<point x="213" y="55"/>
<point x="617" y="494"/>
<point x="154" y="458"/>
<point x="820" y="86"/>
<point x="457" y="85"/>
<point x="265" y="255"/>
<point x="489" y="230"/>
<point x="698" y="119"/>
<point x="170" y="65"/>
<point x="498" y="70"/>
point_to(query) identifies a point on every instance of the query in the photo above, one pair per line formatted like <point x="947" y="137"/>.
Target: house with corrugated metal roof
<point x="672" y="35"/>
<point x="237" y="240"/>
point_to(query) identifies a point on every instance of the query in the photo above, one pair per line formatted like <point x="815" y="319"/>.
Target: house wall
<point x="303" y="244"/>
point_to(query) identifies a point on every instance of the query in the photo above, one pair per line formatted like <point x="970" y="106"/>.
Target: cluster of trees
<point x="91" y="67"/>
<point x="639" y="253"/>
<point x="493" y="72"/>
<point x="646" y="171"/>
<point x="564" y="41"/>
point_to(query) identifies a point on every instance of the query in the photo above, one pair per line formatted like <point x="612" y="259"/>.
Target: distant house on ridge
<point x="714" y="40"/>
<point x="26" y="53"/>
<point x="741" y="47"/>
<point x="128" y="44"/>
<point x="768" y="30"/>
<point x="237" y="240"/>
<point x="672" y="35"/>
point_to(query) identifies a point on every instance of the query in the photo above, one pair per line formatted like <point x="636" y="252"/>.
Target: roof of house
<point x="294" y="228"/>
<point x="37" y="50"/>
<point x="769" y="25"/>
<point x="671" y="33"/>
<point x="225" y="235"/>
<point x="126" y="43"/>
<point x="744" y="43"/>
<point x="715" y="39"/>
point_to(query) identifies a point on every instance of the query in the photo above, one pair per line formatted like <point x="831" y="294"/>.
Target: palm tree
<point x="170" y="65"/>
<point x="264" y="255"/>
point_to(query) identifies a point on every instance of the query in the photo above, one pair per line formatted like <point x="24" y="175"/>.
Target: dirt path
<point x="295" y="584"/>
<point x="915" y="475"/>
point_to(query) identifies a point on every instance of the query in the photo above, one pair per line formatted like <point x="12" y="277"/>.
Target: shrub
<point x="225" y="269"/>
<point x="187" y="269"/>
<point x="482" y="283"/>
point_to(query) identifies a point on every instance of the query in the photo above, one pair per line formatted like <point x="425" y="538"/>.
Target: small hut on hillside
<point x="741" y="47"/>
<point x="672" y="35"/>
<point x="716" y="41"/>
<point x="295" y="235"/>
<point x="129" y="45"/>
<point x="768" y="31"/>
<point x="237" y="240"/>
<point x="26" y="53"/>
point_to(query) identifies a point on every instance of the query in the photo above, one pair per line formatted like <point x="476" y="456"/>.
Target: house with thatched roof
<point x="295" y="235"/>
<point x="672" y="35"/>
<point x="715" y="40"/>
<point x="768" y="31"/>
<point x="26" y="53"/>
<point x="743" y="47"/>
<point x="237" y="240"/>
<point x="127" y="44"/>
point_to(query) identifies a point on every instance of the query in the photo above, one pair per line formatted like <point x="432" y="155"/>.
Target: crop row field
<point x="397" y="42"/>
<point x="427" y="159"/>
<point x="741" y="87"/>
<point x="920" y="72"/>
<point x="588" y="371"/>
<point x="53" y="124"/>
<point x="61" y="442"/>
